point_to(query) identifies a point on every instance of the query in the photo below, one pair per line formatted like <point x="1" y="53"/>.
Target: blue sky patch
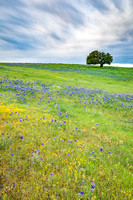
<point x="65" y="31"/>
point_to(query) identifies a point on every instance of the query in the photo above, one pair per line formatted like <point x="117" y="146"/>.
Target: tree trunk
<point x="101" y="65"/>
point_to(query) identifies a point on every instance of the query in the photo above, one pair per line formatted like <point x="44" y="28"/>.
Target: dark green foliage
<point x="97" y="57"/>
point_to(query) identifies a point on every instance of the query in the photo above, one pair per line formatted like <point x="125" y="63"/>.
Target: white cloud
<point x="122" y="65"/>
<point x="56" y="33"/>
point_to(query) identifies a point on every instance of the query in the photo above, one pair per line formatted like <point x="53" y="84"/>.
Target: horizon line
<point x="130" y="65"/>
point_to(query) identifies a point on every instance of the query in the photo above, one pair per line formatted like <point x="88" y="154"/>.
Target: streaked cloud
<point x="65" y="31"/>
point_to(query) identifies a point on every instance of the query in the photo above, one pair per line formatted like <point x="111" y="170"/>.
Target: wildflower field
<point x="66" y="132"/>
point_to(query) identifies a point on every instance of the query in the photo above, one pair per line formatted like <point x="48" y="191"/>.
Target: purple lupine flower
<point x="52" y="174"/>
<point x="21" y="137"/>
<point x="93" y="186"/>
<point x="101" y="148"/>
<point x="81" y="192"/>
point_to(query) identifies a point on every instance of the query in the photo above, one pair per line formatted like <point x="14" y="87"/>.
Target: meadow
<point x="66" y="132"/>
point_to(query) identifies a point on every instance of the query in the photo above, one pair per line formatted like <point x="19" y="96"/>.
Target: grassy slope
<point x="113" y="133"/>
<point x="106" y="78"/>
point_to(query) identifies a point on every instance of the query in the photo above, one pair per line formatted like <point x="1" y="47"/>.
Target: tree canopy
<point x="97" y="57"/>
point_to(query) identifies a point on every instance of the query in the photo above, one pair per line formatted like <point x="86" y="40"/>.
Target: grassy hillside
<point x="66" y="131"/>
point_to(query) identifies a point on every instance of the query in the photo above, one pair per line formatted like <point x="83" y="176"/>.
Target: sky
<point x="65" y="31"/>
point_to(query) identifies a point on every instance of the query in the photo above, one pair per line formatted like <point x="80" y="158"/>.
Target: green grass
<point x="54" y="120"/>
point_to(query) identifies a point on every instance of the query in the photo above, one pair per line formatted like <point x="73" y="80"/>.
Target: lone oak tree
<point x="97" y="57"/>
